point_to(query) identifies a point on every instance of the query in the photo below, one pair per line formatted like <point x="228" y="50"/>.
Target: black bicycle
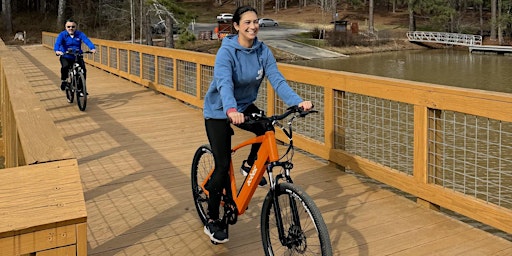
<point x="76" y="81"/>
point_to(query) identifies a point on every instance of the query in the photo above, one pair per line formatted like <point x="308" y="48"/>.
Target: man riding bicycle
<point x="70" y="39"/>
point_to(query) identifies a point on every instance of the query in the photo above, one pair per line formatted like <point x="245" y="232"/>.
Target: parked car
<point x="224" y="17"/>
<point x="266" y="22"/>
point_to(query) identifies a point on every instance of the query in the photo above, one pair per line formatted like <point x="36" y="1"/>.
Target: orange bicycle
<point x="291" y="223"/>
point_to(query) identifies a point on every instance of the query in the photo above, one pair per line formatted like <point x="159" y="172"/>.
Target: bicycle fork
<point x="285" y="237"/>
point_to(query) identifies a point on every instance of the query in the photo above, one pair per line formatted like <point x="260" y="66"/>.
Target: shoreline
<point x="393" y="45"/>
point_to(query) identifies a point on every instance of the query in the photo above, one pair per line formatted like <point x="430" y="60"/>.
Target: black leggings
<point x="219" y="134"/>
<point x="66" y="63"/>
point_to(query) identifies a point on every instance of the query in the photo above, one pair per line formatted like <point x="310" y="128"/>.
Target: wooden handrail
<point x="39" y="165"/>
<point x="185" y="75"/>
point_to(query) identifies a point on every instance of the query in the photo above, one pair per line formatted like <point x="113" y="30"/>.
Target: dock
<point x="498" y="49"/>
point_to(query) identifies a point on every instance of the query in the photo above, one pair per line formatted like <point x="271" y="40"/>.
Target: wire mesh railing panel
<point x="123" y="60"/>
<point x="48" y="40"/>
<point x="104" y="55"/>
<point x="206" y="79"/>
<point x="262" y="99"/>
<point x="148" y="67"/>
<point x="471" y="155"/>
<point x="186" y="72"/>
<point x="98" y="53"/>
<point x="377" y="129"/>
<point x="314" y="127"/>
<point x="166" y="71"/>
<point x="113" y="57"/>
<point x="135" y="63"/>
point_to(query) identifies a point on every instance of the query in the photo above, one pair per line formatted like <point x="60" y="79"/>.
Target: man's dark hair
<point x="70" y="20"/>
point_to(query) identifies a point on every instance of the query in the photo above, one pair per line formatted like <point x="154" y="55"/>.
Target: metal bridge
<point x="444" y="38"/>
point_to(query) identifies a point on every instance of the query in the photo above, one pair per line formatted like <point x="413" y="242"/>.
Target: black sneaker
<point x="63" y="85"/>
<point x="215" y="231"/>
<point x="245" y="169"/>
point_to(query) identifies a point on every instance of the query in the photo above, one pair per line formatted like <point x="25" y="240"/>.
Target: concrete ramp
<point x="303" y="50"/>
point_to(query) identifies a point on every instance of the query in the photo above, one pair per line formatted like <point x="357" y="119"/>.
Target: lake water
<point x="450" y="67"/>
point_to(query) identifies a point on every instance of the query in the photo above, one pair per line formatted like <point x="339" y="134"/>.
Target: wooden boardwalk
<point x="135" y="146"/>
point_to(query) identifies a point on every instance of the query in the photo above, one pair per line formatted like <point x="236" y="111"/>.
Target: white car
<point x="224" y="17"/>
<point x="266" y="22"/>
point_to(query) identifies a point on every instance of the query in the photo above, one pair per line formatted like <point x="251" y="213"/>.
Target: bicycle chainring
<point x="230" y="211"/>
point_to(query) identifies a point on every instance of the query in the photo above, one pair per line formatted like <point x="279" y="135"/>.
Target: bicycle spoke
<point x="202" y="164"/>
<point x="81" y="92"/>
<point x="303" y="229"/>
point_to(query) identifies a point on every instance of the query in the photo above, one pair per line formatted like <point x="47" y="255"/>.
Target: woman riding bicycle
<point x="70" y="39"/>
<point x="240" y="66"/>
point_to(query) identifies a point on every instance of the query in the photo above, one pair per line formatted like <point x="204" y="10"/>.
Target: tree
<point x="132" y="20"/>
<point x="371" y="29"/>
<point x="60" y="13"/>
<point x="6" y="13"/>
<point x="493" y="20"/>
<point x="412" y="19"/>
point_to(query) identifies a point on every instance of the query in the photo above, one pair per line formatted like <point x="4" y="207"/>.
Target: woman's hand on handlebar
<point x="59" y="53"/>
<point x="236" y="117"/>
<point x="93" y="50"/>
<point x="306" y="105"/>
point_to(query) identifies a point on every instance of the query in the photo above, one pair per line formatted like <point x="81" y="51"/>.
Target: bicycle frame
<point x="75" y="67"/>
<point x="267" y="154"/>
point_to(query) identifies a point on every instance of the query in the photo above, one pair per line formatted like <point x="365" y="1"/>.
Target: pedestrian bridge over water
<point x="444" y="38"/>
<point x="114" y="180"/>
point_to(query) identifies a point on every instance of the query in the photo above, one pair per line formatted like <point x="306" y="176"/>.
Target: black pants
<point x="66" y="64"/>
<point x="219" y="134"/>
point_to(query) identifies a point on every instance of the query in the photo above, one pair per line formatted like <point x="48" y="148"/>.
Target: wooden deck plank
<point x="134" y="149"/>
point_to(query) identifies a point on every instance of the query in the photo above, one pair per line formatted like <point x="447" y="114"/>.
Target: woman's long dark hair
<point x="241" y="10"/>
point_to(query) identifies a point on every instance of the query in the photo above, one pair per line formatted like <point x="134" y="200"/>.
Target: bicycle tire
<point x="81" y="100"/>
<point x="311" y="237"/>
<point x="70" y="94"/>
<point x="202" y="164"/>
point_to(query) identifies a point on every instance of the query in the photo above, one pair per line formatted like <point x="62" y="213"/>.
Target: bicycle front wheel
<point x="70" y="93"/>
<point x="202" y="164"/>
<point x="81" y="92"/>
<point x="291" y="224"/>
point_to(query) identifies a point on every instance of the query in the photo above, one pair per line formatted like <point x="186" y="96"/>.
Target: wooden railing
<point x="449" y="147"/>
<point x="42" y="206"/>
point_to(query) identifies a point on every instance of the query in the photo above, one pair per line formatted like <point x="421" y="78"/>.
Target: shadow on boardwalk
<point x="135" y="146"/>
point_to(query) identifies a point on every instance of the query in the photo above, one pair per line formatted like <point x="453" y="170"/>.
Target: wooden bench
<point x="42" y="210"/>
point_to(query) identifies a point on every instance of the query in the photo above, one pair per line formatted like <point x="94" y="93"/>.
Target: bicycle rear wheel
<point x="202" y="164"/>
<point x="81" y="92"/>
<point x="304" y="230"/>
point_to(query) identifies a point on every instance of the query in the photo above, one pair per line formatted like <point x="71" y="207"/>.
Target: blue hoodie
<point x="64" y="42"/>
<point x="237" y="76"/>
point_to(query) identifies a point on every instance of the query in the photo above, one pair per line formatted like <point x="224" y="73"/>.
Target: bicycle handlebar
<point x="74" y="52"/>
<point x="260" y="117"/>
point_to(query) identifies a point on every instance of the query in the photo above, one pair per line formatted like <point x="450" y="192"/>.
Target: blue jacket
<point x="64" y="42"/>
<point x="237" y="76"/>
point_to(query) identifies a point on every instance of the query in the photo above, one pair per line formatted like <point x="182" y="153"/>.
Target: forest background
<point x="132" y="19"/>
